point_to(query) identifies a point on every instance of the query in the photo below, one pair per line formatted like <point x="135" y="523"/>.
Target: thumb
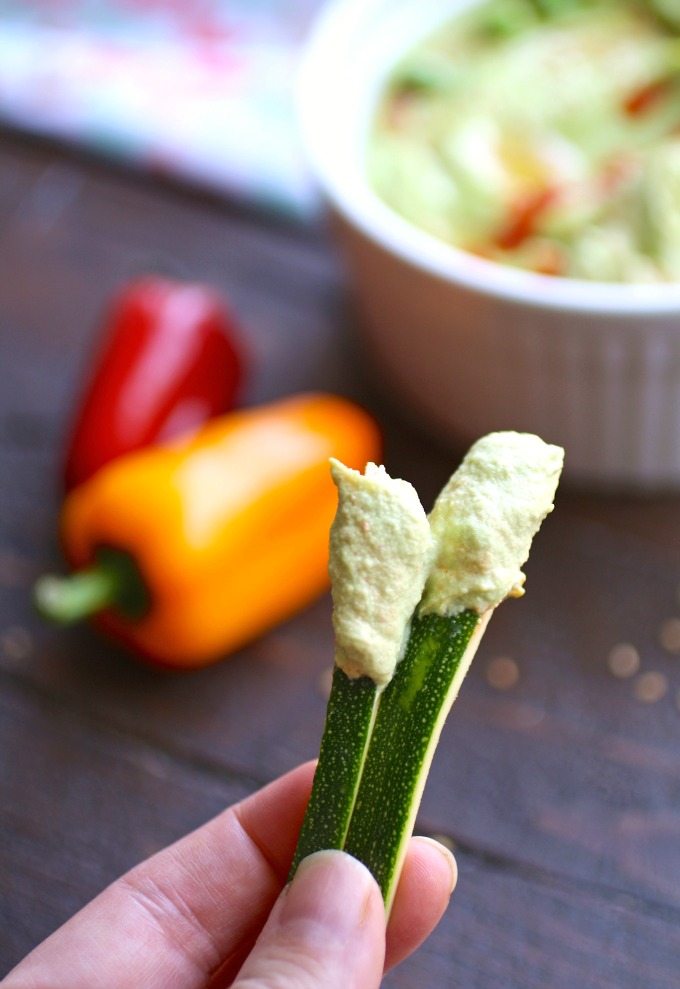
<point x="326" y="931"/>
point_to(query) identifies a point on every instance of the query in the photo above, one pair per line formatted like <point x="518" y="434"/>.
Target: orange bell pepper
<point x="188" y="551"/>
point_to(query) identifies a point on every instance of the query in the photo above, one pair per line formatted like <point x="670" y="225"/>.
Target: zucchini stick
<point x="399" y="670"/>
<point x="412" y="712"/>
<point x="350" y="715"/>
<point x="365" y="798"/>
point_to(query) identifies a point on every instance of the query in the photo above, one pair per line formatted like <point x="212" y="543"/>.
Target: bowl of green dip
<point x="503" y="178"/>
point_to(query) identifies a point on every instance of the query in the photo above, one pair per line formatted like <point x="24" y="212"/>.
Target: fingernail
<point x="448" y="855"/>
<point x="329" y="895"/>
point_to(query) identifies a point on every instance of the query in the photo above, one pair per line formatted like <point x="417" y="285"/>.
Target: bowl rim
<point x="362" y="208"/>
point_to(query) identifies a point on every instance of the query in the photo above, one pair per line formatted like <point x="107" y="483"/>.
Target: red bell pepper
<point x="171" y="359"/>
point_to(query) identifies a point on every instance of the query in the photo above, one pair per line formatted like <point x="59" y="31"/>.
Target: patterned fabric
<point x="196" y="89"/>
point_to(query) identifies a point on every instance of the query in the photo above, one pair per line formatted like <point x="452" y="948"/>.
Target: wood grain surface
<point x="560" y="793"/>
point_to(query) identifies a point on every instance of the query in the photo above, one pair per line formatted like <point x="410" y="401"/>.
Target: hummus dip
<point x="388" y="558"/>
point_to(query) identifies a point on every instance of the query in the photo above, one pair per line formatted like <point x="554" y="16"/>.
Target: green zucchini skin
<point x="350" y="715"/>
<point x="377" y="748"/>
<point x="412" y="711"/>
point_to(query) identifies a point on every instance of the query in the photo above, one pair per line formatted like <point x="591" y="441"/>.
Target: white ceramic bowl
<point x="471" y="345"/>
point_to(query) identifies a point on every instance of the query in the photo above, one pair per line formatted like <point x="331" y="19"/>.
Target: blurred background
<point x="200" y="91"/>
<point x="151" y="136"/>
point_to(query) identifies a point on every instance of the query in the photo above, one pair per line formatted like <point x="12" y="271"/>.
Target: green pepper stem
<point x="112" y="581"/>
<point x="66" y="600"/>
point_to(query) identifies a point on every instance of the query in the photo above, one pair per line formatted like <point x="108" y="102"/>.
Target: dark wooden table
<point x="561" y="793"/>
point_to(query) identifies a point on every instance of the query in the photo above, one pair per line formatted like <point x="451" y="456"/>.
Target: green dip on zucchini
<point x="544" y="134"/>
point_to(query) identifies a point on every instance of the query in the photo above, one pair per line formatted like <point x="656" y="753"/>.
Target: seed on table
<point x="650" y="687"/>
<point x="502" y="673"/>
<point x="16" y="642"/>
<point x="669" y="635"/>
<point x="623" y="660"/>
<point x="14" y="570"/>
<point x="445" y="840"/>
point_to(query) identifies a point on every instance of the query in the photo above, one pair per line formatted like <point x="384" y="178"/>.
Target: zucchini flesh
<point x="378" y="745"/>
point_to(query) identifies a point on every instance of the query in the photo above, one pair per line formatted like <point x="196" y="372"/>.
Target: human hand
<point x="209" y="912"/>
